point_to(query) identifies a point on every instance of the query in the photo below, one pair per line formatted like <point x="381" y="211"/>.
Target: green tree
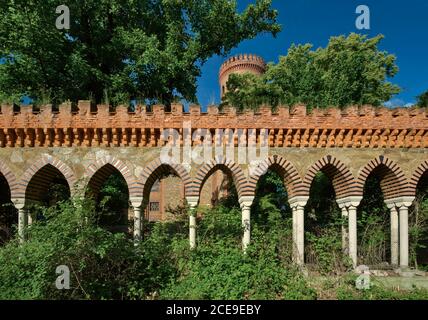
<point x="350" y="70"/>
<point x="423" y="100"/>
<point x="137" y="49"/>
<point x="113" y="203"/>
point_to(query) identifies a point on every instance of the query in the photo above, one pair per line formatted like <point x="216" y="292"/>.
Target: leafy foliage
<point x="423" y="100"/>
<point x="271" y="200"/>
<point x="134" y="49"/>
<point x="418" y="226"/>
<point x="113" y="201"/>
<point x="103" y="265"/>
<point x="107" y="265"/>
<point x="218" y="269"/>
<point x="349" y="71"/>
<point x="323" y="228"/>
<point x="373" y="224"/>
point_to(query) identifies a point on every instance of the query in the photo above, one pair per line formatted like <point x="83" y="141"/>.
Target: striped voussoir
<point x="343" y="181"/>
<point x="99" y="171"/>
<point x="10" y="178"/>
<point x="41" y="174"/>
<point x="228" y="167"/>
<point x="287" y="171"/>
<point x="393" y="181"/>
<point x="420" y="172"/>
<point x="157" y="170"/>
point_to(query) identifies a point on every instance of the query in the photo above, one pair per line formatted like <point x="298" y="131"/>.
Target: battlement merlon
<point x="295" y="117"/>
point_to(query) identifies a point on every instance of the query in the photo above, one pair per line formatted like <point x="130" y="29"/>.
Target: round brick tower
<point x="240" y="64"/>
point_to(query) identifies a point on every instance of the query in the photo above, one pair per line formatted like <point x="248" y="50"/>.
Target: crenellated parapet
<point x="358" y="127"/>
<point x="243" y="60"/>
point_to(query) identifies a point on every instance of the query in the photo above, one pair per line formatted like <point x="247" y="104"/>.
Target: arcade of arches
<point x="77" y="152"/>
<point x="27" y="175"/>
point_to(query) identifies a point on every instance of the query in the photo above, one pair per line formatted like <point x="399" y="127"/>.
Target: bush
<point x="102" y="265"/>
<point x="218" y="269"/>
<point x="107" y="265"/>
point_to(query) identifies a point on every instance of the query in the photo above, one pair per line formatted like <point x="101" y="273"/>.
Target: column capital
<point x="296" y="202"/>
<point x="400" y="202"/>
<point x="19" y="203"/>
<point x="136" y="202"/>
<point x="192" y="201"/>
<point x="391" y="204"/>
<point x="246" y="201"/>
<point x="349" y="202"/>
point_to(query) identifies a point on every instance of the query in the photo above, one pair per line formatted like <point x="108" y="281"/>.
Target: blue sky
<point x="404" y="24"/>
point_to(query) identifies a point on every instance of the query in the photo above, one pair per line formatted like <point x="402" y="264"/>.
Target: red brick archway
<point x="341" y="177"/>
<point x="227" y="166"/>
<point x="291" y="177"/>
<point x="51" y="165"/>
<point x="157" y="169"/>
<point x="421" y="171"/>
<point x="393" y="181"/>
<point x="10" y="179"/>
<point x="105" y="167"/>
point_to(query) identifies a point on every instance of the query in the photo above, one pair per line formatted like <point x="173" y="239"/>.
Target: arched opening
<point x="108" y="188"/>
<point x="271" y="215"/>
<point x="418" y="225"/>
<point x="327" y="182"/>
<point x="219" y="214"/>
<point x="166" y="198"/>
<point x="218" y="189"/>
<point x="164" y="193"/>
<point x="271" y="197"/>
<point x="8" y="212"/>
<point x="323" y="224"/>
<point x="374" y="223"/>
<point x="46" y="188"/>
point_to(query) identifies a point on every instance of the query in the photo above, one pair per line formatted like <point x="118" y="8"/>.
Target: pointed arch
<point x="393" y="181"/>
<point x="343" y="181"/>
<point x="291" y="177"/>
<point x="104" y="167"/>
<point x="225" y="165"/>
<point x="420" y="172"/>
<point x="50" y="166"/>
<point x="156" y="169"/>
<point x="10" y="179"/>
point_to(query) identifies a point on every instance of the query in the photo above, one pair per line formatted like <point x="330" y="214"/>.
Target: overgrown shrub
<point x="218" y="269"/>
<point x="102" y="265"/>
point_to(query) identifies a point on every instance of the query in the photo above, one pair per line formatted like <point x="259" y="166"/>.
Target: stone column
<point x="29" y="219"/>
<point x="28" y="204"/>
<point x="352" y="226"/>
<point x="345" y="230"/>
<point x="403" y="204"/>
<point x="137" y="205"/>
<point x="294" y="234"/>
<point x="300" y="234"/>
<point x="22" y="218"/>
<point x="246" y="203"/>
<point x="193" y="203"/>
<point x="298" y="206"/>
<point x="404" y="236"/>
<point x="137" y="224"/>
<point x="394" y="235"/>
<point x="349" y="207"/>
